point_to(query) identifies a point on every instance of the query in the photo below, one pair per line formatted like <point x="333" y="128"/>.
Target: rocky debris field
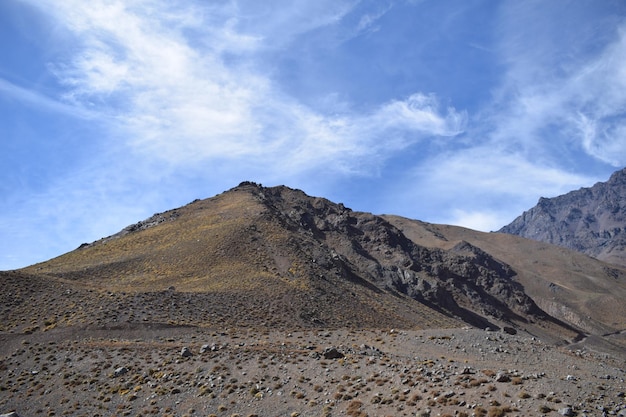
<point x="241" y="372"/>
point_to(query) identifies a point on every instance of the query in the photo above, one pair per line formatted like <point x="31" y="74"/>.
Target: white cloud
<point x="481" y="187"/>
<point x="568" y="88"/>
<point x="560" y="105"/>
<point x="485" y="221"/>
<point x="486" y="171"/>
<point x="598" y="103"/>
<point x="278" y="22"/>
<point x="36" y="99"/>
<point x="182" y="100"/>
<point x="368" y="20"/>
<point x="421" y="113"/>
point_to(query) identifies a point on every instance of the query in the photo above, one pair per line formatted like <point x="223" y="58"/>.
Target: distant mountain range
<point x="590" y="220"/>
<point x="274" y="257"/>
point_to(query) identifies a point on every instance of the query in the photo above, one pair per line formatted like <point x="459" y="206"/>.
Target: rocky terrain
<point x="244" y="372"/>
<point x="590" y="220"/>
<point x="266" y="301"/>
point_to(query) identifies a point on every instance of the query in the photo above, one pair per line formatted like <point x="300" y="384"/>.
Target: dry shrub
<point x="354" y="409"/>
<point x="495" y="412"/>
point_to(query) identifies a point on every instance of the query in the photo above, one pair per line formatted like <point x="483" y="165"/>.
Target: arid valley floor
<point x="197" y="372"/>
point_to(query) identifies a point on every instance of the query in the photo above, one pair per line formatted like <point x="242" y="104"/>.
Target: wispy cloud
<point x="367" y="22"/>
<point x="561" y="103"/>
<point x="182" y="99"/>
<point x="479" y="187"/>
<point x="37" y="100"/>
<point x="562" y="89"/>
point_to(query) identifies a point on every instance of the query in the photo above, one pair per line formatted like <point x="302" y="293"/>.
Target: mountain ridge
<point x="590" y="220"/>
<point x="284" y="258"/>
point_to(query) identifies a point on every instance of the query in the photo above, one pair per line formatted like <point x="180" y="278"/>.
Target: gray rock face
<point x="589" y="220"/>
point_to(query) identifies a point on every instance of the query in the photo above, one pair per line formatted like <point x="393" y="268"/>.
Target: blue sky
<point x="462" y="112"/>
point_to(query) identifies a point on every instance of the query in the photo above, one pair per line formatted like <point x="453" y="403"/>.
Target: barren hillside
<point x="286" y="258"/>
<point x="570" y="286"/>
<point x="267" y="301"/>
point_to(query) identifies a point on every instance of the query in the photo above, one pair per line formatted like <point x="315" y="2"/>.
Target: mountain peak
<point x="618" y="178"/>
<point x="589" y="220"/>
<point x="281" y="242"/>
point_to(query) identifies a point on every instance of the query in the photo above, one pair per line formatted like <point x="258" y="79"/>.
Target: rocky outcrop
<point x="589" y="220"/>
<point x="464" y="281"/>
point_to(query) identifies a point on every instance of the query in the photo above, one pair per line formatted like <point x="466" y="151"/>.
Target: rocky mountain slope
<point x="288" y="258"/>
<point x="568" y="285"/>
<point x="281" y="258"/>
<point x="267" y="301"/>
<point x="590" y="220"/>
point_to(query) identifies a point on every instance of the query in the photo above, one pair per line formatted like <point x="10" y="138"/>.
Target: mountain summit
<point x="589" y="220"/>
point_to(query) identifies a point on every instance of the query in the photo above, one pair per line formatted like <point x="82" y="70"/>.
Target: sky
<point x="461" y="112"/>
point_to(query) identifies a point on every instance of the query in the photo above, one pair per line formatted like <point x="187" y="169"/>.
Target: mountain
<point x="275" y="257"/>
<point x="284" y="258"/>
<point x="267" y="301"/>
<point x="570" y="286"/>
<point x="589" y="220"/>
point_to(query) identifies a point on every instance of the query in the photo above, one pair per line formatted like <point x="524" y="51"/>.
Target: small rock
<point x="502" y="377"/>
<point x="11" y="414"/>
<point x="567" y="411"/>
<point x="204" y="348"/>
<point x="185" y="352"/>
<point x="332" y="353"/>
<point x="423" y="413"/>
<point x="120" y="371"/>
<point x="509" y="330"/>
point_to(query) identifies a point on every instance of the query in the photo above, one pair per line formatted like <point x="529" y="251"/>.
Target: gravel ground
<point x="239" y="372"/>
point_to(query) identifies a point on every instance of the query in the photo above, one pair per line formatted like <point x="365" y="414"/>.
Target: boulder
<point x="509" y="330"/>
<point x="332" y="353"/>
<point x="502" y="377"/>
